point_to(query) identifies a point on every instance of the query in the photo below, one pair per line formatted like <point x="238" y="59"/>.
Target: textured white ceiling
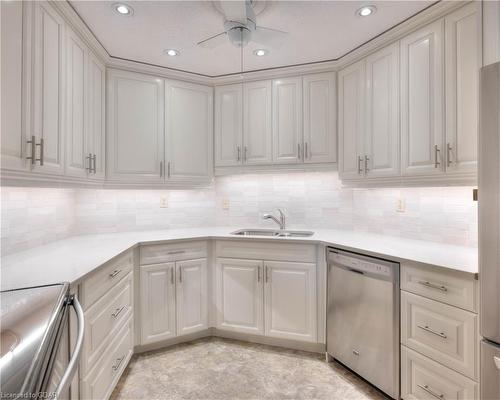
<point x="318" y="31"/>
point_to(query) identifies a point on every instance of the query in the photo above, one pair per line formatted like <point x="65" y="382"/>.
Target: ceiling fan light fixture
<point x="260" y="52"/>
<point x="172" y="52"/>
<point x="123" y="9"/>
<point x="366" y="11"/>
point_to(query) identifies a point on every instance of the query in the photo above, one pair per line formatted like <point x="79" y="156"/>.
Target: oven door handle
<point x="77" y="351"/>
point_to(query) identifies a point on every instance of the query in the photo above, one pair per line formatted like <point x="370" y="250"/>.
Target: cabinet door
<point x="290" y="300"/>
<point x="135" y="127"/>
<point x="96" y="119"/>
<point x="287" y="121"/>
<point x="228" y="125"/>
<point x="351" y="121"/>
<point x="462" y="73"/>
<point x="189" y="131"/>
<point x="157" y="302"/>
<point x="320" y="123"/>
<point x="77" y="159"/>
<point x="192" y="300"/>
<point x="48" y="83"/>
<point x="382" y="150"/>
<point x="239" y="295"/>
<point x="422" y="105"/>
<point x="12" y="136"/>
<point x="257" y="128"/>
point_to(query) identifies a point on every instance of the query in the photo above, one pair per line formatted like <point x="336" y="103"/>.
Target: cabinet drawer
<point x="272" y="250"/>
<point x="441" y="332"/>
<point x="103" y="320"/>
<point x="101" y="381"/>
<point x="451" y="287"/>
<point x="161" y="253"/>
<point x="424" y="379"/>
<point x="100" y="282"/>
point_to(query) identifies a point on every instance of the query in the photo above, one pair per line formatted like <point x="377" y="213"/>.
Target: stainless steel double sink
<point x="272" y="233"/>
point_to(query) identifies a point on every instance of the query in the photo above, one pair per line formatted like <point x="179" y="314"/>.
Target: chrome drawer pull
<point x="114" y="273"/>
<point x="436" y="156"/>
<point x="433" y="286"/>
<point x="426" y="328"/>
<point x="426" y="388"/>
<point x="118" y="363"/>
<point x="238" y="158"/>
<point x="32" y="156"/>
<point x="360" y="168"/>
<point x="118" y="311"/>
<point x="176" y="252"/>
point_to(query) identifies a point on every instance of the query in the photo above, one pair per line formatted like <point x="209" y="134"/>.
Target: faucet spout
<point x="281" y="221"/>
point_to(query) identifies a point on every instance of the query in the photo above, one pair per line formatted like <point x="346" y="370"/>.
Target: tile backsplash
<point x="33" y="216"/>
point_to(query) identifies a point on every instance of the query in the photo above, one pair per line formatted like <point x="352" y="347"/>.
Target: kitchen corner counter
<point x="74" y="258"/>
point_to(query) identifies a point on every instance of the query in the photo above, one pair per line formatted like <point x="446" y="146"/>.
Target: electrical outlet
<point x="225" y="204"/>
<point x="401" y="205"/>
<point x="163" y="202"/>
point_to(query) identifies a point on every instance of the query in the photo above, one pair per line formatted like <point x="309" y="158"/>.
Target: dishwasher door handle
<point x="357" y="271"/>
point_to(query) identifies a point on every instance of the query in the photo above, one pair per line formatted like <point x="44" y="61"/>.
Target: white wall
<point x="312" y="200"/>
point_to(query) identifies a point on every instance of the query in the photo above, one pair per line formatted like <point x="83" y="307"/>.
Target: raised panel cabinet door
<point x="382" y="149"/>
<point x="239" y="295"/>
<point x="228" y="125"/>
<point x="290" y="300"/>
<point x="257" y="123"/>
<point x="96" y="118"/>
<point x="13" y="141"/>
<point x="320" y="122"/>
<point x="463" y="51"/>
<point x="287" y="121"/>
<point x="77" y="159"/>
<point x="352" y="89"/>
<point x="192" y="299"/>
<point x="157" y="296"/>
<point x="48" y="86"/>
<point x="189" y="132"/>
<point x="422" y="101"/>
<point x="135" y="134"/>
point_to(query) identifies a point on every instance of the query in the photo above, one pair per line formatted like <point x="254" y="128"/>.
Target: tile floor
<point x="222" y="369"/>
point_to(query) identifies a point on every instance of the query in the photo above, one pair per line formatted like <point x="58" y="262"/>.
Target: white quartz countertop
<point x="71" y="259"/>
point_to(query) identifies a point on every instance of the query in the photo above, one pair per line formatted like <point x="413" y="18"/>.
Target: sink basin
<point x="272" y="232"/>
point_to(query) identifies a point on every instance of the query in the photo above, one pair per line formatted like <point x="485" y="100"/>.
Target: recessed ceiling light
<point x="123" y="9"/>
<point x="366" y="11"/>
<point x="260" y="52"/>
<point x="172" y="52"/>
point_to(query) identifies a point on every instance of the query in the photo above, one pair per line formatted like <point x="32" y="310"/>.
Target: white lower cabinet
<point x="239" y="295"/>
<point x="169" y="290"/>
<point x="290" y="299"/>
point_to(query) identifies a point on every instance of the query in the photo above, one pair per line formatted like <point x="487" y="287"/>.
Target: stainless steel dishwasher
<point x="363" y="317"/>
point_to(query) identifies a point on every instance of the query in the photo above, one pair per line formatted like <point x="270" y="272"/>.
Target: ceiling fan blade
<point x="235" y="10"/>
<point x="269" y="37"/>
<point x="213" y="41"/>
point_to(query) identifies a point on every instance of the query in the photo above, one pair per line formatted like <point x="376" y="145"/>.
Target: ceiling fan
<point x="240" y="27"/>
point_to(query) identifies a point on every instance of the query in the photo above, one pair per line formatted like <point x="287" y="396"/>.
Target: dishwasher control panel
<point x="361" y="265"/>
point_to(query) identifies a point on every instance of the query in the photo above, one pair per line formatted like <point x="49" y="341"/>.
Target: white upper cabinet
<point x="135" y="134"/>
<point x="320" y="123"/>
<point x="189" y="132"/>
<point x="228" y="125"/>
<point x="351" y="121"/>
<point x="257" y="128"/>
<point x="77" y="158"/>
<point x="381" y="154"/>
<point x="12" y="134"/>
<point x="422" y="101"/>
<point x="462" y="73"/>
<point x="287" y="120"/>
<point x="47" y="90"/>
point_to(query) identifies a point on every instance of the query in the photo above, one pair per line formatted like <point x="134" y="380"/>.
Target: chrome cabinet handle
<point x="94" y="168"/>
<point x="114" y="273"/>
<point x="433" y="286"/>
<point x="118" y="363"/>
<point x="176" y="252"/>
<point x="267" y="273"/>
<point x="32" y="156"/>
<point x="298" y="151"/>
<point x="168" y="169"/>
<point x="245" y="150"/>
<point x="118" y="311"/>
<point x="172" y="276"/>
<point x="41" y="144"/>
<point x="436" y="156"/>
<point x="258" y="274"/>
<point x="306" y="154"/>
<point x="426" y="388"/>
<point x="238" y="158"/>
<point x="427" y="329"/>
<point x="360" y="168"/>
<point x="448" y="154"/>
<point x="366" y="163"/>
<point x="89" y="157"/>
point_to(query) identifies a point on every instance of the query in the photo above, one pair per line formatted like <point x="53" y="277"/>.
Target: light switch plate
<point x="225" y="204"/>
<point x="401" y="205"/>
<point x="163" y="202"/>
